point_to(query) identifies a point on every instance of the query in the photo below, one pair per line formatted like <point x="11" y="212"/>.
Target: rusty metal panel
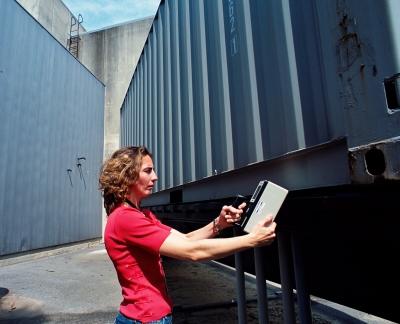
<point x="246" y="82"/>
<point x="51" y="139"/>
<point x="375" y="162"/>
<point x="360" y="50"/>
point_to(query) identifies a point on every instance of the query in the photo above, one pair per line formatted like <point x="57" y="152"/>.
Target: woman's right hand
<point x="263" y="232"/>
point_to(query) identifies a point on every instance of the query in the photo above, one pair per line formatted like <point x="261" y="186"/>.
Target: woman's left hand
<point x="230" y="215"/>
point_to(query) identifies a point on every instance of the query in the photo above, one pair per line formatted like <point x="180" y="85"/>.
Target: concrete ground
<point x="77" y="284"/>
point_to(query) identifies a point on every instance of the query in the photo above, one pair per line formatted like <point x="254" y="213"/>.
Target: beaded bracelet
<point x="216" y="227"/>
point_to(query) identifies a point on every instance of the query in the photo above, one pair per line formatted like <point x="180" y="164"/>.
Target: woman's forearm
<point x="211" y="249"/>
<point x="180" y="247"/>
<point x="177" y="245"/>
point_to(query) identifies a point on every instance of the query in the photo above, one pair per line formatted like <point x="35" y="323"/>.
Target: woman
<point x="135" y="239"/>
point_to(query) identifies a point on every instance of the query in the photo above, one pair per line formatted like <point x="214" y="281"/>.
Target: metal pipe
<point x="285" y="265"/>
<point x="303" y="296"/>
<point x="240" y="286"/>
<point x="262" y="295"/>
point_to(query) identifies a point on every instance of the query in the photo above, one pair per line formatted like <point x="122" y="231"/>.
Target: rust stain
<point x="374" y="70"/>
<point x="348" y="47"/>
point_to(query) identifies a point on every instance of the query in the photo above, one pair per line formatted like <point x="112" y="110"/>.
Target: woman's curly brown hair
<point x="118" y="173"/>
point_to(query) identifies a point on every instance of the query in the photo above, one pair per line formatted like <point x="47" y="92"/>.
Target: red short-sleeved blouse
<point x="133" y="239"/>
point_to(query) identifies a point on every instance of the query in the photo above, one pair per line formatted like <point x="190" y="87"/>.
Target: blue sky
<point x="102" y="13"/>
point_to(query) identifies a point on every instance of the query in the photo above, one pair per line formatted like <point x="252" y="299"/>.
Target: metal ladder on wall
<point x="74" y="38"/>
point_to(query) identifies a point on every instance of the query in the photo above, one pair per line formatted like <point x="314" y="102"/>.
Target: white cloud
<point x="101" y="13"/>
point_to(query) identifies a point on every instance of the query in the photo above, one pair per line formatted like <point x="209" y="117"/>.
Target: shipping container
<point x="233" y="85"/>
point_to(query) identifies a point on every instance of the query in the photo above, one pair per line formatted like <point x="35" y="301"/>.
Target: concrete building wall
<point x="111" y="54"/>
<point x="52" y="15"/>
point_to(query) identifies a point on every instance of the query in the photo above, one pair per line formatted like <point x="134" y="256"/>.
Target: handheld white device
<point x="267" y="199"/>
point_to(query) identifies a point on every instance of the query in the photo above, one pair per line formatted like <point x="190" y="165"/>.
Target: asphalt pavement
<point x="78" y="284"/>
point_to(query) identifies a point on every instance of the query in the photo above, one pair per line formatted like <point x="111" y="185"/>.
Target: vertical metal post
<point x="285" y="265"/>
<point x="262" y="296"/>
<point x="303" y="296"/>
<point x="240" y="286"/>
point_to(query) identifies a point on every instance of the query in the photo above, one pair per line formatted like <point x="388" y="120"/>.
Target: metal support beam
<point x="303" y="295"/>
<point x="262" y="296"/>
<point x="285" y="265"/>
<point x="240" y="286"/>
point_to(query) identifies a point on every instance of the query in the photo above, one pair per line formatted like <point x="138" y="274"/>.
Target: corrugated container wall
<point x="51" y="139"/>
<point x="225" y="84"/>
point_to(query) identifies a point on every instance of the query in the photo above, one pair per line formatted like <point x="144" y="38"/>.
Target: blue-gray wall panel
<point x="219" y="101"/>
<point x="168" y="131"/>
<point x="188" y="146"/>
<point x="51" y="114"/>
<point x="176" y="95"/>
<point x="201" y="92"/>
